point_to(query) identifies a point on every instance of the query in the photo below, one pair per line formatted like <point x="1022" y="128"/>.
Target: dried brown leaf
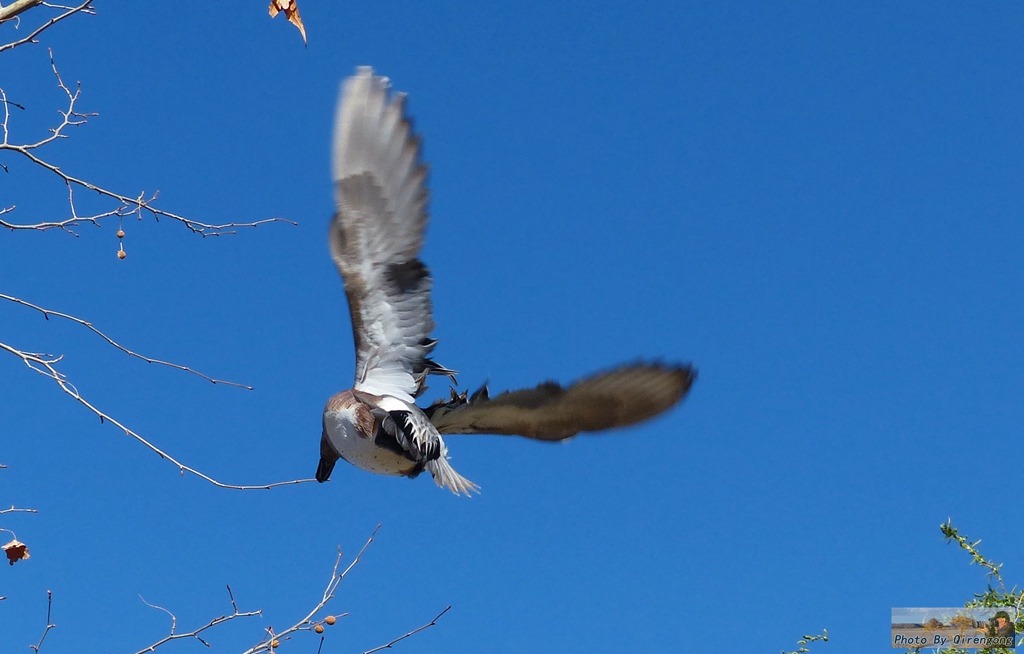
<point x="291" y="11"/>
<point x="15" y="550"/>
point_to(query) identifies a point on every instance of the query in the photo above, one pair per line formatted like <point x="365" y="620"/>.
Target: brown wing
<point x="621" y="397"/>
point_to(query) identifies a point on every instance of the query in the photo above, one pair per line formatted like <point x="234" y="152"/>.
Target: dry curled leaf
<point x="15" y="550"/>
<point x="291" y="11"/>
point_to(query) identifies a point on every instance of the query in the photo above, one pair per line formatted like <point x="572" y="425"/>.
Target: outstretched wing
<point x="617" y="398"/>
<point x="376" y="235"/>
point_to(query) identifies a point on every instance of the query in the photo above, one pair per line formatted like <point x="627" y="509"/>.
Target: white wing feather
<point x="376" y="236"/>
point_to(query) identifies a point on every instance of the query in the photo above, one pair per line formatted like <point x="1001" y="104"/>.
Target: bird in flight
<point x="375" y="239"/>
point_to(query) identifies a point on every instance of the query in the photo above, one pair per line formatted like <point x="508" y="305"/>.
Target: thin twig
<point x="953" y="534"/>
<point x="44" y="364"/>
<point x="195" y="633"/>
<point x="307" y="623"/>
<point x="49" y="625"/>
<point x="271" y="640"/>
<point x="411" y="633"/>
<point x="13" y="508"/>
<point x="24" y="5"/>
<point x="49" y="312"/>
<point x="127" y="205"/>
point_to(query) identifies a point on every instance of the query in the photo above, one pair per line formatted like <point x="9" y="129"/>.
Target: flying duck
<point x="375" y="238"/>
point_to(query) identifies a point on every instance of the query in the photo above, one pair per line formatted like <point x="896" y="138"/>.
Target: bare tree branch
<point x="13" y="509"/>
<point x="45" y="365"/>
<point x="307" y="623"/>
<point x="411" y="633"/>
<point x="49" y="624"/>
<point x="271" y="639"/>
<point x="17" y="8"/>
<point x="49" y="312"/>
<point x="120" y="206"/>
<point x="126" y="205"/>
<point x="8" y="531"/>
<point x="21" y="6"/>
<point x="195" y="633"/>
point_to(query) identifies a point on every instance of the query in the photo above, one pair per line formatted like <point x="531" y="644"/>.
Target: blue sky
<point x="817" y="205"/>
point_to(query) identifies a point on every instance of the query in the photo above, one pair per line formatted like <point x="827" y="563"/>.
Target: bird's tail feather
<point x="446" y="477"/>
